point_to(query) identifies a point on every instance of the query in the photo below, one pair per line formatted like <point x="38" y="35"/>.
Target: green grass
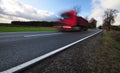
<point x="107" y="57"/>
<point x="25" y="29"/>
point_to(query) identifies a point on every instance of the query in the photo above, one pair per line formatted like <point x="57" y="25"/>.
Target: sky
<point x="49" y="10"/>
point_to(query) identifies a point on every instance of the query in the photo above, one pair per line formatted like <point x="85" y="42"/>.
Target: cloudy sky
<point x="49" y="10"/>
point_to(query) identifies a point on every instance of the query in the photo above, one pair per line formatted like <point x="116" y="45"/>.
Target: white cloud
<point x="98" y="7"/>
<point x="16" y="10"/>
<point x="110" y="4"/>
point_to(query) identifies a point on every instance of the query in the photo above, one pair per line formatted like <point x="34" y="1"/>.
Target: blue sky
<point x="48" y="10"/>
<point x="57" y="6"/>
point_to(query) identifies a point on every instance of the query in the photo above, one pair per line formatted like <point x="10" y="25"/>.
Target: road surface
<point x="20" y="47"/>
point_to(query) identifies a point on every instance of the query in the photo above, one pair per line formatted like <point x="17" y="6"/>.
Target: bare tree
<point x="93" y="23"/>
<point x="109" y="18"/>
<point x="77" y="9"/>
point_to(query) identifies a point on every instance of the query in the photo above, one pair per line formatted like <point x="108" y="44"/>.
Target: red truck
<point x="69" y="21"/>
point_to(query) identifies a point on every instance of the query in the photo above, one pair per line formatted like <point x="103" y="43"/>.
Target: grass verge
<point x="26" y="29"/>
<point x="107" y="57"/>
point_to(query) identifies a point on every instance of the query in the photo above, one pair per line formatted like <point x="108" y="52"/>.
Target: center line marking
<point x="41" y="35"/>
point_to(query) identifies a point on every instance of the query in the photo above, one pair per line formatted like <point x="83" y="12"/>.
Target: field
<point x="25" y="29"/>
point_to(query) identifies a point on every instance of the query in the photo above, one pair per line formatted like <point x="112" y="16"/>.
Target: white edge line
<point x="26" y="64"/>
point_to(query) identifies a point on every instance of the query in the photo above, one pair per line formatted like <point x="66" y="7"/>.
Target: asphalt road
<point x="17" y="48"/>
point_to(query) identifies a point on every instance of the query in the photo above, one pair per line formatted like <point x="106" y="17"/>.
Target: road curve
<point x="18" y="48"/>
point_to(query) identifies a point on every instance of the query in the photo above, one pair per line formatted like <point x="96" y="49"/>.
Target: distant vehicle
<point x="69" y="21"/>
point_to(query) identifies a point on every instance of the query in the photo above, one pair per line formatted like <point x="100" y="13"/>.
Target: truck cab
<point x="68" y="20"/>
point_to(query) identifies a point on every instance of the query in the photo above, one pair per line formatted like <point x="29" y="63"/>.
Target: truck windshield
<point x="65" y="16"/>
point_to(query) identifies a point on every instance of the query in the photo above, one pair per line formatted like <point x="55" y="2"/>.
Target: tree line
<point x="33" y="23"/>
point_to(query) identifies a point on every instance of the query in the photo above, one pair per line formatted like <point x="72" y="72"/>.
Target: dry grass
<point x="107" y="57"/>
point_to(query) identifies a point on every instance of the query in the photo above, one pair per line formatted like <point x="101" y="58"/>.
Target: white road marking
<point x="26" y="64"/>
<point x="41" y="34"/>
